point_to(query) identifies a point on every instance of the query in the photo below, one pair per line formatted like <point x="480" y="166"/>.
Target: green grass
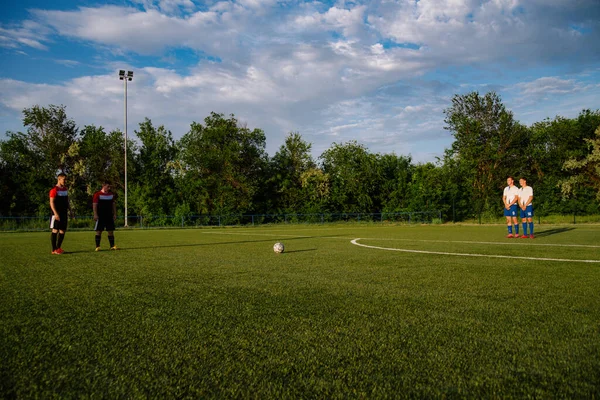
<point x="214" y="313"/>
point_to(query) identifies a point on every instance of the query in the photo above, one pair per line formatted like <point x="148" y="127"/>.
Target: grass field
<point x="214" y="313"/>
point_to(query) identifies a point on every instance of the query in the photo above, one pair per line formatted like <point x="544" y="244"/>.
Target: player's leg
<point x="62" y="229"/>
<point x="515" y="222"/>
<point x="59" y="240"/>
<point x="509" y="226"/>
<point x="110" y="228"/>
<point x="524" y="222"/>
<point x="53" y="239"/>
<point x="530" y="221"/>
<point x="98" y="229"/>
<point x="111" y="240"/>
<point x="98" y="237"/>
<point x="53" y="234"/>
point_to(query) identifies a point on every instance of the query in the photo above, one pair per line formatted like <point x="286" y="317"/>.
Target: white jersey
<point x="524" y="194"/>
<point x="510" y="192"/>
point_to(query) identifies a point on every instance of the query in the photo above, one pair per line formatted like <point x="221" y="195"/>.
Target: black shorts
<point x="59" y="225"/>
<point x="105" y="223"/>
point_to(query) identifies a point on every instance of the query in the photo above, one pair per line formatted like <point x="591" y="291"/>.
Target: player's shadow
<point x="550" y="232"/>
<point x="217" y="244"/>
<point x="299" y="251"/>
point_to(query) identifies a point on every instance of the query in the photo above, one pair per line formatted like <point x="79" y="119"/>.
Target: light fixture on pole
<point x="125" y="77"/>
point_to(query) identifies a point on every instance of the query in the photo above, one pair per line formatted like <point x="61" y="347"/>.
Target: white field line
<point x="516" y="242"/>
<point x="526" y="242"/>
<point x="355" y="242"/>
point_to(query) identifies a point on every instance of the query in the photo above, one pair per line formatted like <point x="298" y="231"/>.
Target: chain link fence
<point x="191" y="221"/>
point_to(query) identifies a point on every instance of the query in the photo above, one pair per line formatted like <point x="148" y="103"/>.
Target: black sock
<point x="111" y="240"/>
<point x="53" y="240"/>
<point x="59" y="241"/>
<point x="98" y="237"/>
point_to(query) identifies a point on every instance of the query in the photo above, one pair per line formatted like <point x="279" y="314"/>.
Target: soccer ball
<point x="278" y="247"/>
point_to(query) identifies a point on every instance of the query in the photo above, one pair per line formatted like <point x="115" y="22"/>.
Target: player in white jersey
<point x="526" y="206"/>
<point x="510" y="199"/>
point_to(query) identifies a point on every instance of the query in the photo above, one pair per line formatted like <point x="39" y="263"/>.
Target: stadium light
<point x="125" y="77"/>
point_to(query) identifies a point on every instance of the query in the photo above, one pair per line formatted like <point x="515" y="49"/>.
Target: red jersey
<point x="104" y="202"/>
<point x="61" y="198"/>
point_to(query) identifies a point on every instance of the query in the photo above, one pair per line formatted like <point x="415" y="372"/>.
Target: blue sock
<point x="516" y="229"/>
<point x="531" y="228"/>
<point x="525" y="228"/>
<point x="510" y="229"/>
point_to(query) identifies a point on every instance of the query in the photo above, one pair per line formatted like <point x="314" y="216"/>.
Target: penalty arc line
<point x="355" y="242"/>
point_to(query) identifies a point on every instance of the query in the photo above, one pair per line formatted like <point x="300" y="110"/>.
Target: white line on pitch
<point x="526" y="242"/>
<point x="355" y="241"/>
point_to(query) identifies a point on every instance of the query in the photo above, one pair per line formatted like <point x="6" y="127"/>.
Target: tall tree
<point x="352" y="172"/>
<point x="50" y="135"/>
<point x="222" y="166"/>
<point x="487" y="142"/>
<point x="586" y="170"/>
<point x="289" y="165"/>
<point x="553" y="143"/>
<point x="315" y="190"/>
<point x="23" y="190"/>
<point x="100" y="157"/>
<point x="153" y="188"/>
<point x="34" y="158"/>
<point x="395" y="174"/>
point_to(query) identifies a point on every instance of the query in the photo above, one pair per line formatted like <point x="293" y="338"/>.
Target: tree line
<point x="221" y="167"/>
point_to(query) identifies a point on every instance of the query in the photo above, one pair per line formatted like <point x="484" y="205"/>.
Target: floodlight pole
<point x="125" y="78"/>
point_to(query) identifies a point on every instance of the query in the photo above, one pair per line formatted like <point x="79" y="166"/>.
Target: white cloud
<point x="547" y="97"/>
<point x="142" y="32"/>
<point x="548" y="85"/>
<point x="341" y="72"/>
<point x="465" y="31"/>
<point x="27" y="35"/>
<point x="68" y="63"/>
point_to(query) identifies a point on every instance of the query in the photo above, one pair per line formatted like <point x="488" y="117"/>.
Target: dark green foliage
<point x="488" y="143"/>
<point x="221" y="167"/>
<point x="554" y="142"/>
<point x="289" y="165"/>
<point x="32" y="160"/>
<point x="352" y="173"/>
<point x="153" y="186"/>
<point x="23" y="188"/>
<point x="395" y="175"/>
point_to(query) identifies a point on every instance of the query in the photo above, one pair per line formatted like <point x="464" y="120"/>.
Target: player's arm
<point x="95" y="208"/>
<point x="505" y="200"/>
<point x="54" y="211"/>
<point x="528" y="202"/>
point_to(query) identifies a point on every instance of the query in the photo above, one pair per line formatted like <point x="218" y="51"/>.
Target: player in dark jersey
<point x="59" y="203"/>
<point x="105" y="214"/>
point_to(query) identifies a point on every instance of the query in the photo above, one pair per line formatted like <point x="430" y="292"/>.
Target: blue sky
<point x="378" y="72"/>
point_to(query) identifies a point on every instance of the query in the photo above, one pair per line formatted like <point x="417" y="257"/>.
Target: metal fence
<point x="191" y="221"/>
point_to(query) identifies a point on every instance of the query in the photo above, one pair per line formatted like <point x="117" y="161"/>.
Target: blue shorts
<point x="511" y="212"/>
<point x="528" y="213"/>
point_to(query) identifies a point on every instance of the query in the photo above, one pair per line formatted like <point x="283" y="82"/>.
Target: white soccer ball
<point x="278" y="247"/>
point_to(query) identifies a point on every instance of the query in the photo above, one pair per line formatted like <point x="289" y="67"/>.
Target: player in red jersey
<point x="105" y="214"/>
<point x="59" y="203"/>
